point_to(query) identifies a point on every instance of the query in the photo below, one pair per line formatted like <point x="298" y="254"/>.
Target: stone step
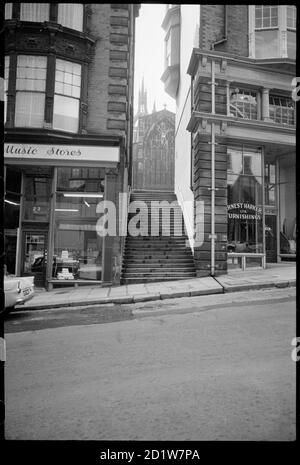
<point x="149" y="280"/>
<point x="140" y="275"/>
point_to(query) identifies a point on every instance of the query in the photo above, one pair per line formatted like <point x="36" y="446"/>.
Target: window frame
<point x="279" y="109"/>
<point x="49" y="92"/>
<point x="244" y="91"/>
<point x="262" y="28"/>
<point x="282" y="30"/>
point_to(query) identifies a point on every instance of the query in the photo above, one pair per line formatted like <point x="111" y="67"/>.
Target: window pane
<point x="67" y="78"/>
<point x="70" y="15"/>
<point x="31" y="73"/>
<point x="34" y="12"/>
<point x="8" y="11"/>
<point x="30" y="109"/>
<point x="266" y="44"/>
<point x="65" y="113"/>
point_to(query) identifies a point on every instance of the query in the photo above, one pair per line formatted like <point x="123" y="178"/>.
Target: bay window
<point x="67" y="95"/>
<point x="30" y="91"/>
<point x="34" y="77"/>
<point x="272" y="31"/>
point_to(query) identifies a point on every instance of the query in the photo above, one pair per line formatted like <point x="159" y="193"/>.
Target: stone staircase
<point x="159" y="257"/>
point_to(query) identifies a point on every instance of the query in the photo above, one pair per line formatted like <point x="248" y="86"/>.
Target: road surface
<point x="201" y="368"/>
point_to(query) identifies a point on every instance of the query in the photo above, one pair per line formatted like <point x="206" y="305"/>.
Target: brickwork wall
<point x="202" y="180"/>
<point x="212" y="28"/>
<point x="202" y="183"/>
<point x="109" y="93"/>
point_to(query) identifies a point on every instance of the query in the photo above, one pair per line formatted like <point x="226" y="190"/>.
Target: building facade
<point x="68" y="137"/>
<point x="153" y="147"/>
<point x="232" y="78"/>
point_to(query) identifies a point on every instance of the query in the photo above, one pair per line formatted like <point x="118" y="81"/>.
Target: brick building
<point x="68" y="136"/>
<point x="231" y="69"/>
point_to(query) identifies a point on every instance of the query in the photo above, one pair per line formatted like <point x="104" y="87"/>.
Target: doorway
<point x="271" y="238"/>
<point x="34" y="256"/>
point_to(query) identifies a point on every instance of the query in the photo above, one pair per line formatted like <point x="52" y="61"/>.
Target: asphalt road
<point x="203" y="368"/>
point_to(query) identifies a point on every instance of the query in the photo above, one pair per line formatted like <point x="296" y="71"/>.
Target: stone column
<point x="265" y="104"/>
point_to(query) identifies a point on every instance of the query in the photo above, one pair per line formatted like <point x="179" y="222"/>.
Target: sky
<point x="149" y="57"/>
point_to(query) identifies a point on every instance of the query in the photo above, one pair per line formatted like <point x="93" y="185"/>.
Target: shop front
<point x="261" y="205"/>
<point x="52" y="193"/>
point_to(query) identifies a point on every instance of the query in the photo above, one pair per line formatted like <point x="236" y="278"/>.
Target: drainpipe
<point x="212" y="235"/>
<point x="224" y="39"/>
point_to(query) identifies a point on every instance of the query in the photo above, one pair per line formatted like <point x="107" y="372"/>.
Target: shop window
<point x="30" y="91"/>
<point x="244" y="191"/>
<point x="70" y="15"/>
<point x="287" y="205"/>
<point x="282" y="110"/>
<point x="37" y="12"/>
<point x="8" y="11"/>
<point x="67" y="95"/>
<point x="243" y="104"/>
<point x="77" y="246"/>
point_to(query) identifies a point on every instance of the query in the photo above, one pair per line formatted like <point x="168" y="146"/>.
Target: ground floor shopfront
<point x="53" y="193"/>
<point x="254" y="204"/>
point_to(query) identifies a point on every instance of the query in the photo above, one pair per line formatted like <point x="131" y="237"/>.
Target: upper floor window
<point x="30" y="91"/>
<point x="8" y="11"/>
<point x="282" y="110"/>
<point x="34" y="78"/>
<point x="291" y="14"/>
<point x="67" y="14"/>
<point x="266" y="16"/>
<point x="272" y="31"/>
<point x="70" y="15"/>
<point x="67" y="95"/>
<point x="37" y="12"/>
<point x="243" y="104"/>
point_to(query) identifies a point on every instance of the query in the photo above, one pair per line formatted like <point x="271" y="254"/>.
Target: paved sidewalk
<point x="279" y="275"/>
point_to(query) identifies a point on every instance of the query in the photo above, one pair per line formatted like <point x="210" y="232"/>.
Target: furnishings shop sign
<point x="244" y="211"/>
<point x="52" y="154"/>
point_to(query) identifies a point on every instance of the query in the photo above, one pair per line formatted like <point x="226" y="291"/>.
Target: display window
<point x="244" y="202"/>
<point x="77" y="246"/>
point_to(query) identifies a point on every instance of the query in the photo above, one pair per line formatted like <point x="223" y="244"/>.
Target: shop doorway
<point x="34" y="256"/>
